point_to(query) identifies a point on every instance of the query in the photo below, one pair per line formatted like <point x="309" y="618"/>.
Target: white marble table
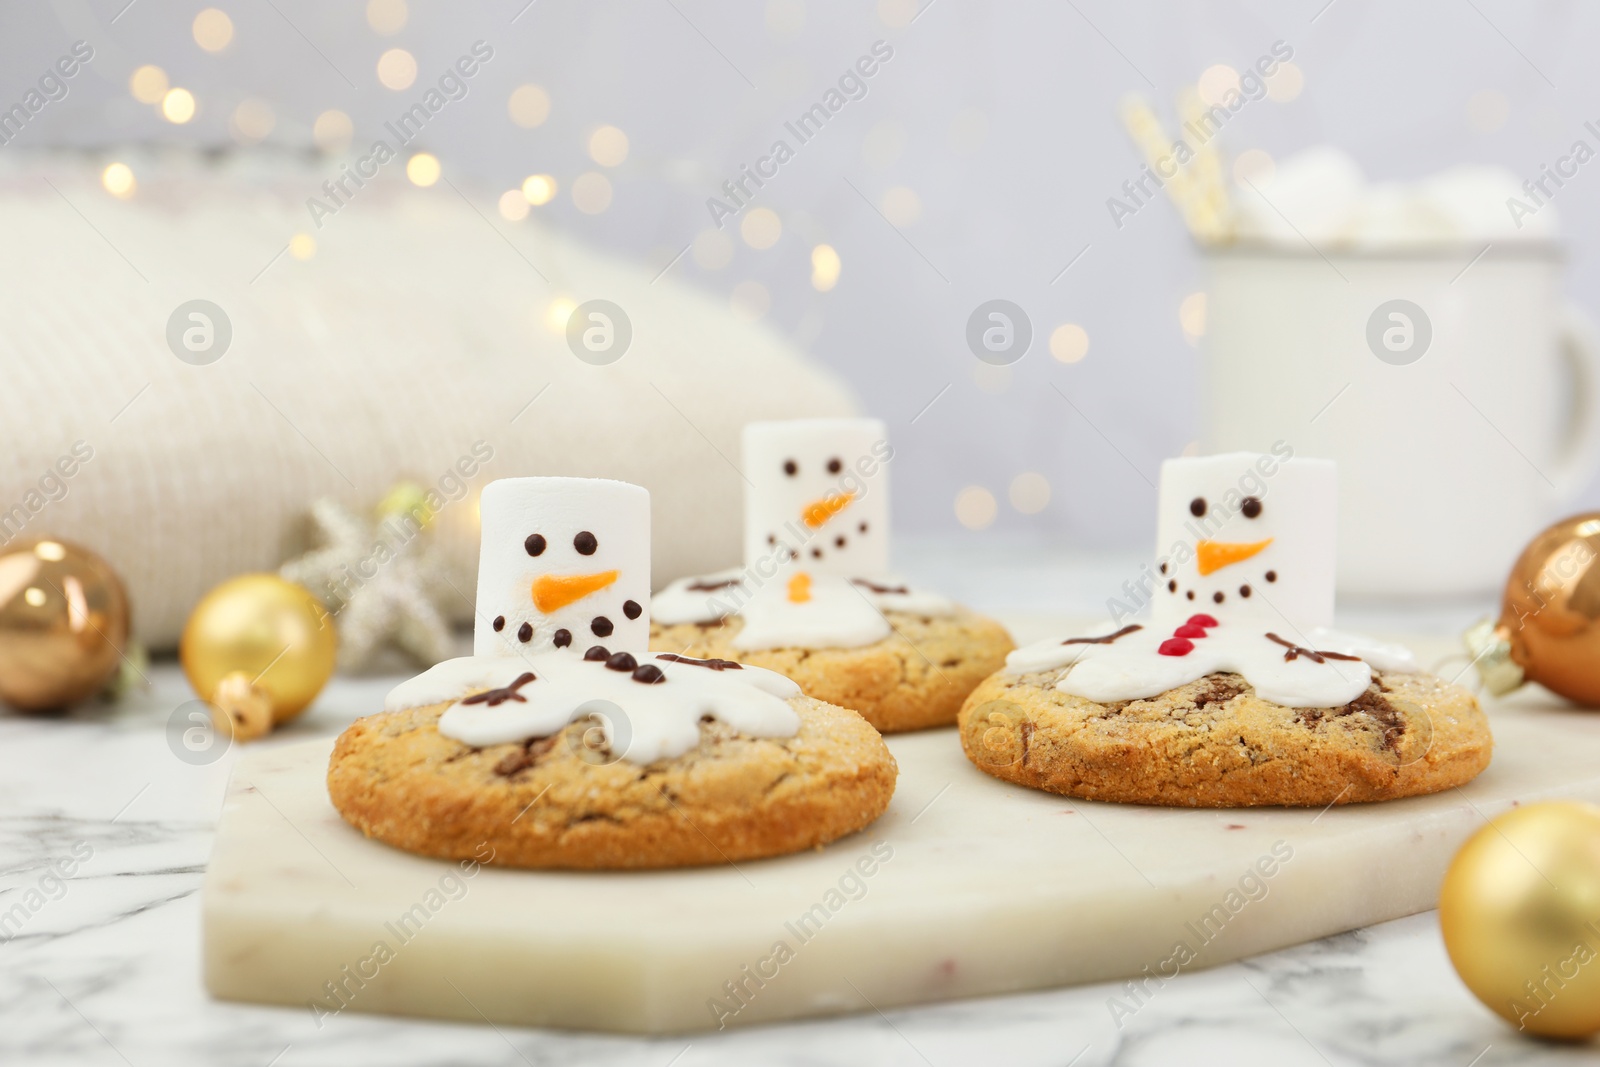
<point x="104" y="968"/>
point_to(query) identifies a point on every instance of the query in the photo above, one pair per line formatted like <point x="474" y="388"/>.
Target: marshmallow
<point x="563" y="563"/>
<point x="1246" y="538"/>
<point x="818" y="495"/>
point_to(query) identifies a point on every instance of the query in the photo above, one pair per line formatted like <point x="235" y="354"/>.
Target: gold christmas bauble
<point x="1520" y="911"/>
<point x="1549" y="626"/>
<point x="270" y="629"/>
<point x="63" y="623"/>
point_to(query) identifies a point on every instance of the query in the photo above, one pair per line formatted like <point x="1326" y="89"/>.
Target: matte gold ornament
<point x="1520" y="912"/>
<point x="63" y="623"/>
<point x="1549" y="626"/>
<point x="268" y="628"/>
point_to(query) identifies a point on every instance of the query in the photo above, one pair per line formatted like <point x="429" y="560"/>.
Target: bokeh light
<point x="302" y="246"/>
<point x="712" y="249"/>
<point x="148" y="84"/>
<point x="252" y="120"/>
<point x="513" y="205"/>
<point x="118" y="180"/>
<point x="528" y="106"/>
<point x="1069" y="342"/>
<point x="397" y="69"/>
<point x="761" y="227"/>
<point x="591" y="192"/>
<point x="1285" y="83"/>
<point x="824" y="268"/>
<point x="608" y="146"/>
<point x="975" y="507"/>
<point x="538" y="189"/>
<point x="1029" y="492"/>
<point x="387" y="17"/>
<point x="177" y="106"/>
<point x="1217" y="84"/>
<point x="423" y="169"/>
<point x="901" y="205"/>
<point x="332" y="131"/>
<point x="213" y="29"/>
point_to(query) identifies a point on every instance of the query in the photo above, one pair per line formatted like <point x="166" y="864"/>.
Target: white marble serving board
<point x="990" y="888"/>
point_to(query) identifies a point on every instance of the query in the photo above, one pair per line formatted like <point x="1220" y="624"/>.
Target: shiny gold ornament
<point x="272" y="630"/>
<point x="63" y="623"/>
<point x="1549" y="626"/>
<point x="240" y="708"/>
<point x="1520" y="912"/>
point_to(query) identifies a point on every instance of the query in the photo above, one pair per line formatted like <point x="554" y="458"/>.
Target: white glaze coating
<point x="1296" y="516"/>
<point x="640" y="722"/>
<point x="1132" y="668"/>
<point x="616" y="514"/>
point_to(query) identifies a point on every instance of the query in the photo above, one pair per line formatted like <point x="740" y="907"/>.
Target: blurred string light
<point x="528" y="106"/>
<point x="397" y="69"/>
<point x="591" y="192"/>
<point x="212" y="29"/>
<point x="558" y="312"/>
<point x="1286" y="82"/>
<point x="539" y="189"/>
<point x="423" y="169"/>
<point x="712" y="250"/>
<point x="252" y="120"/>
<point x="302" y="246"/>
<point x="513" y="205"/>
<point x="824" y="268"/>
<point x="1254" y="167"/>
<point x="387" y="17"/>
<point x="1069" y="342"/>
<point x="901" y="205"/>
<point x="118" y="180"/>
<point x="1217" y="83"/>
<point x="332" y="131"/>
<point x="1192" y="316"/>
<point x="1029" y="492"/>
<point x="975" y="507"/>
<point x="750" y="301"/>
<point x="608" y="146"/>
<point x="148" y="84"/>
<point x="761" y="227"/>
<point x="177" y="106"/>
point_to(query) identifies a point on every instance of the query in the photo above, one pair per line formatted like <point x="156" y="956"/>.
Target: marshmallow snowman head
<point x="564" y="563"/>
<point x="1247" y="537"/>
<point x="818" y="495"/>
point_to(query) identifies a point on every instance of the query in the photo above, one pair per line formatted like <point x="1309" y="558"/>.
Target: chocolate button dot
<point x="790" y="467"/>
<point x="499" y="623"/>
<point x="561" y="638"/>
<point x="1190" y="594"/>
<point x="525" y="633"/>
<point x="585" y="543"/>
<point x="621" y="661"/>
<point x="1251" y="507"/>
<point x="1244" y="590"/>
<point x="534" y="544"/>
<point x="597" y="652"/>
<point x="631" y="609"/>
<point x="1272" y="576"/>
<point x="862" y="527"/>
<point x="1163" y="568"/>
<point x="650" y="674"/>
<point x="772" y="539"/>
<point x="1197" y="506"/>
<point x="1218" y="597"/>
<point x="601" y="626"/>
<point x="834" y="466"/>
<point x="816" y="553"/>
<point x="1172" y="586"/>
<point x="838" y="542"/>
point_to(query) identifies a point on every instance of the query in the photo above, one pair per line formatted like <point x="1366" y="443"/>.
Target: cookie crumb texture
<point x="1214" y="743"/>
<point x="550" y="803"/>
<point x="915" y="678"/>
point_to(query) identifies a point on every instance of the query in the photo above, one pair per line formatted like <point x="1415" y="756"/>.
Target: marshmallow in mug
<point x="1247" y="536"/>
<point x="818" y="495"/>
<point x="564" y="563"/>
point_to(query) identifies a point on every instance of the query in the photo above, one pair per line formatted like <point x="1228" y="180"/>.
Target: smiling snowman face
<point x="818" y="495"/>
<point x="1247" y="536"/>
<point x="564" y="563"/>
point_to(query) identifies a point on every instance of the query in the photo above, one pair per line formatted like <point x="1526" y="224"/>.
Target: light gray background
<point x="701" y="86"/>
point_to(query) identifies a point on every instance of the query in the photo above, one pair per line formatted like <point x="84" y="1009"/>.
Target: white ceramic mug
<point x="1459" y="395"/>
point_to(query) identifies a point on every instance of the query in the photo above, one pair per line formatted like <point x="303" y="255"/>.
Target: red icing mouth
<point x="1181" y="643"/>
<point x="1202" y="620"/>
<point x="1176" y="646"/>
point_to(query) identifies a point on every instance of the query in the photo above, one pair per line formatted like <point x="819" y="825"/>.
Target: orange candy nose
<point x="554" y="591"/>
<point x="800" y="588"/>
<point x="1215" y="555"/>
<point x="820" y="511"/>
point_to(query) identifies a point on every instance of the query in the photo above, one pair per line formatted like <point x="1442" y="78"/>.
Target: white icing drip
<point x="641" y="722"/>
<point x="1132" y="668"/>
<point x="841" y="612"/>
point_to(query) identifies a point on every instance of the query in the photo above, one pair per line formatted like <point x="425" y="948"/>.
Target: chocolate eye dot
<point x="534" y="544"/>
<point x="1251" y="507"/>
<point x="1163" y="568"/>
<point x="1197" y="506"/>
<point x="1244" y="590"/>
<point x="1172" y="586"/>
<point x="816" y="553"/>
<point x="1218" y="597"/>
<point x="791" y="468"/>
<point x="772" y="539"/>
<point x="499" y="623"/>
<point x="838" y="542"/>
<point x="862" y="528"/>
<point x="585" y="543"/>
<point x="525" y="633"/>
<point x="601" y="626"/>
<point x="1191" y="594"/>
<point x="631" y="609"/>
<point x="834" y="466"/>
<point x="1272" y="576"/>
<point x="561" y="638"/>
